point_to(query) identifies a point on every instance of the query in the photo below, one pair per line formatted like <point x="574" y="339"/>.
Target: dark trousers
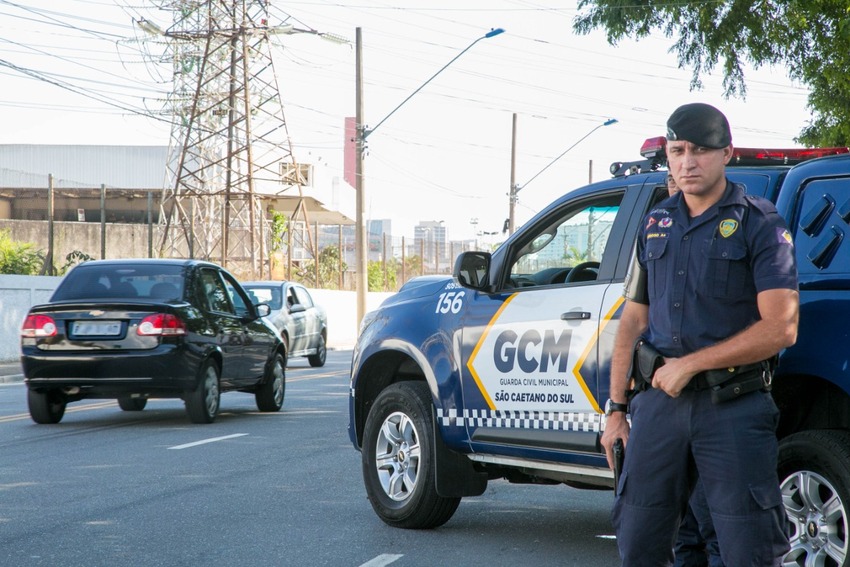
<point x="731" y="446"/>
<point x="696" y="543"/>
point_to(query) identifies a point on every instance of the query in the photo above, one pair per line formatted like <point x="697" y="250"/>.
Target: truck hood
<point x="421" y="286"/>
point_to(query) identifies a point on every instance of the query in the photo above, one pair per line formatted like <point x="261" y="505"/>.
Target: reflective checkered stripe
<point x="558" y="421"/>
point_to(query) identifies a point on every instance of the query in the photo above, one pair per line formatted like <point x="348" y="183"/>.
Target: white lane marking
<point x="210" y="440"/>
<point x="381" y="560"/>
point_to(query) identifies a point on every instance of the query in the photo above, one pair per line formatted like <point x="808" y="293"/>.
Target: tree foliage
<point x="19" y="257"/>
<point x="809" y="38"/>
<point x="329" y="265"/>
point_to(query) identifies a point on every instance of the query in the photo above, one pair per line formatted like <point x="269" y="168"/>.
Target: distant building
<point x="378" y="228"/>
<point x="431" y="243"/>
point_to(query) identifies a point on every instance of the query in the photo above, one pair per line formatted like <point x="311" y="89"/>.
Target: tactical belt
<point x="724" y="383"/>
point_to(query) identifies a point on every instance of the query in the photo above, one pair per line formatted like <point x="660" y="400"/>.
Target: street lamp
<point x="362" y="133"/>
<point x="515" y="189"/>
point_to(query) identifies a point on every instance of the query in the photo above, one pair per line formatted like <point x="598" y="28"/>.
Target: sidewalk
<point x="11" y="372"/>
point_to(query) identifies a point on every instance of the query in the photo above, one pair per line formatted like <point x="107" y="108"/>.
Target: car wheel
<point x="202" y="403"/>
<point x="270" y="394"/>
<point x="398" y="459"/>
<point x="321" y="355"/>
<point x="46" y="407"/>
<point x="127" y="403"/>
<point x="814" y="472"/>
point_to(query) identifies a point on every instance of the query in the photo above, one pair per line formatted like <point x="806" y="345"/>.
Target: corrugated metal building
<point x="128" y="172"/>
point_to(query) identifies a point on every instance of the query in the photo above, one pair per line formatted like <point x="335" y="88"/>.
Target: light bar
<point x="657" y="148"/>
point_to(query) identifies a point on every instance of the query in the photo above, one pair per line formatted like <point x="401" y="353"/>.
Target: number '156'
<point x="450" y="301"/>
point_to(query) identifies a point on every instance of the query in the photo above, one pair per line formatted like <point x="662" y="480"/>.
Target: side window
<point x="214" y="293"/>
<point x="303" y="297"/>
<point x="569" y="247"/>
<point x="239" y="301"/>
<point x="291" y="298"/>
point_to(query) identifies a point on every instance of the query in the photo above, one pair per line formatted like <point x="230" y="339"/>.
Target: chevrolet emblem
<point x="96" y="313"/>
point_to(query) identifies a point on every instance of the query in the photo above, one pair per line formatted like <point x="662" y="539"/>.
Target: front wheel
<point x="398" y="459"/>
<point x="269" y="395"/>
<point x="202" y="403"/>
<point x="318" y="359"/>
<point x="814" y="472"/>
<point x="46" y="407"/>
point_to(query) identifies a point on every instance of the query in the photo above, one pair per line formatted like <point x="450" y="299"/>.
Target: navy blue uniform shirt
<point x="703" y="273"/>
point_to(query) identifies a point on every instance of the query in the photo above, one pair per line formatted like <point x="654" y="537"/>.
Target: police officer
<point x="721" y="300"/>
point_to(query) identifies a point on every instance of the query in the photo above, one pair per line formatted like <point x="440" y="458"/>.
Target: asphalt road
<point x="110" y="488"/>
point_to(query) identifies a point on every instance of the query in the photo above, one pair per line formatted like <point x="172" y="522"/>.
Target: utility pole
<point x="362" y="247"/>
<point x="512" y="194"/>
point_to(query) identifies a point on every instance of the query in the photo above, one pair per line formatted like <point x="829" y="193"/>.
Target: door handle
<point x="574" y="315"/>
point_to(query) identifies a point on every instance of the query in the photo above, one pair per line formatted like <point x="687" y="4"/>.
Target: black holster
<point x="645" y="361"/>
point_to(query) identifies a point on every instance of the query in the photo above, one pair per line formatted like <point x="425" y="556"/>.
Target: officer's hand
<point x="616" y="427"/>
<point x="672" y="377"/>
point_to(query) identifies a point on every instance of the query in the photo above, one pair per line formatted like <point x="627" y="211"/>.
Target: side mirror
<point x="263" y="309"/>
<point x="472" y="270"/>
<point x="297" y="308"/>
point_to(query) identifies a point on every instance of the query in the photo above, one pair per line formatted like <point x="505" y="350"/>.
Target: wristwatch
<point x="611" y="407"/>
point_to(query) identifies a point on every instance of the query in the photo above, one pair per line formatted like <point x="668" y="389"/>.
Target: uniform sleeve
<point x="635" y="288"/>
<point x="774" y="262"/>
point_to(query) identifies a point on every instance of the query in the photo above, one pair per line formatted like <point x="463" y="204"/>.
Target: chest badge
<point x="666" y="222"/>
<point x="728" y="227"/>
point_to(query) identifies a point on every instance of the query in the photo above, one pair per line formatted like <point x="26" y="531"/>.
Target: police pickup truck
<point x="502" y="370"/>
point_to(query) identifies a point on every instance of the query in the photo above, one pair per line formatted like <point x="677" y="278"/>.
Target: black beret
<point x="700" y="124"/>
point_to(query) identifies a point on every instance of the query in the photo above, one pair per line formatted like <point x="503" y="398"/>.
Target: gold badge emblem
<point x="728" y="227"/>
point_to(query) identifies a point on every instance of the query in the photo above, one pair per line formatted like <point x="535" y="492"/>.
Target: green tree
<point x="280" y="226"/>
<point x="810" y="38"/>
<point x="375" y="274"/>
<point x="19" y="257"/>
<point x="328" y="269"/>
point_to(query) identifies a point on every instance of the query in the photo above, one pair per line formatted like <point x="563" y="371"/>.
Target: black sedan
<point x="136" y="329"/>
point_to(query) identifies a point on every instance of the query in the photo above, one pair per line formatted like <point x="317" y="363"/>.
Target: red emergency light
<point x="656" y="148"/>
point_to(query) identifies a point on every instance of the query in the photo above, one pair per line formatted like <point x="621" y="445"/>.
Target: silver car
<point x="303" y="325"/>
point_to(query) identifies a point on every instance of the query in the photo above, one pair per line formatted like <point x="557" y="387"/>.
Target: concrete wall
<point x="19" y="293"/>
<point x="122" y="240"/>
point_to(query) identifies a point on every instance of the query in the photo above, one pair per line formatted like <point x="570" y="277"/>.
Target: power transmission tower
<point x="229" y="142"/>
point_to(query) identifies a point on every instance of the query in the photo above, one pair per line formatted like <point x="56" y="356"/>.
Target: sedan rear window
<point x="157" y="282"/>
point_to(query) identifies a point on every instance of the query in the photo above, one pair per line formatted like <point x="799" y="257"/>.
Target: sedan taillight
<point x="38" y="326"/>
<point x="164" y="324"/>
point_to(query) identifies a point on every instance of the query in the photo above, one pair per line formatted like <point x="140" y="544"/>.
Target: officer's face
<point x="697" y="170"/>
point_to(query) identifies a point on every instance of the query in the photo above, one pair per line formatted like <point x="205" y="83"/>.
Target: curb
<point x="11" y="379"/>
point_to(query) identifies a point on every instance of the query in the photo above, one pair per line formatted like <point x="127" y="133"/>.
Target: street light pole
<point x="363" y="132"/>
<point x="515" y="188"/>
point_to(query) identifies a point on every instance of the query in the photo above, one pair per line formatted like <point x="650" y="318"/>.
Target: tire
<point x="398" y="459"/>
<point x="270" y="394"/>
<point x="814" y="475"/>
<point x="202" y="404"/>
<point x="46" y="407"/>
<point x="318" y="359"/>
<point x="127" y="403"/>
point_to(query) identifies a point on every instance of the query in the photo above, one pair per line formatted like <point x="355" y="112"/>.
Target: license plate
<point x="96" y="328"/>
